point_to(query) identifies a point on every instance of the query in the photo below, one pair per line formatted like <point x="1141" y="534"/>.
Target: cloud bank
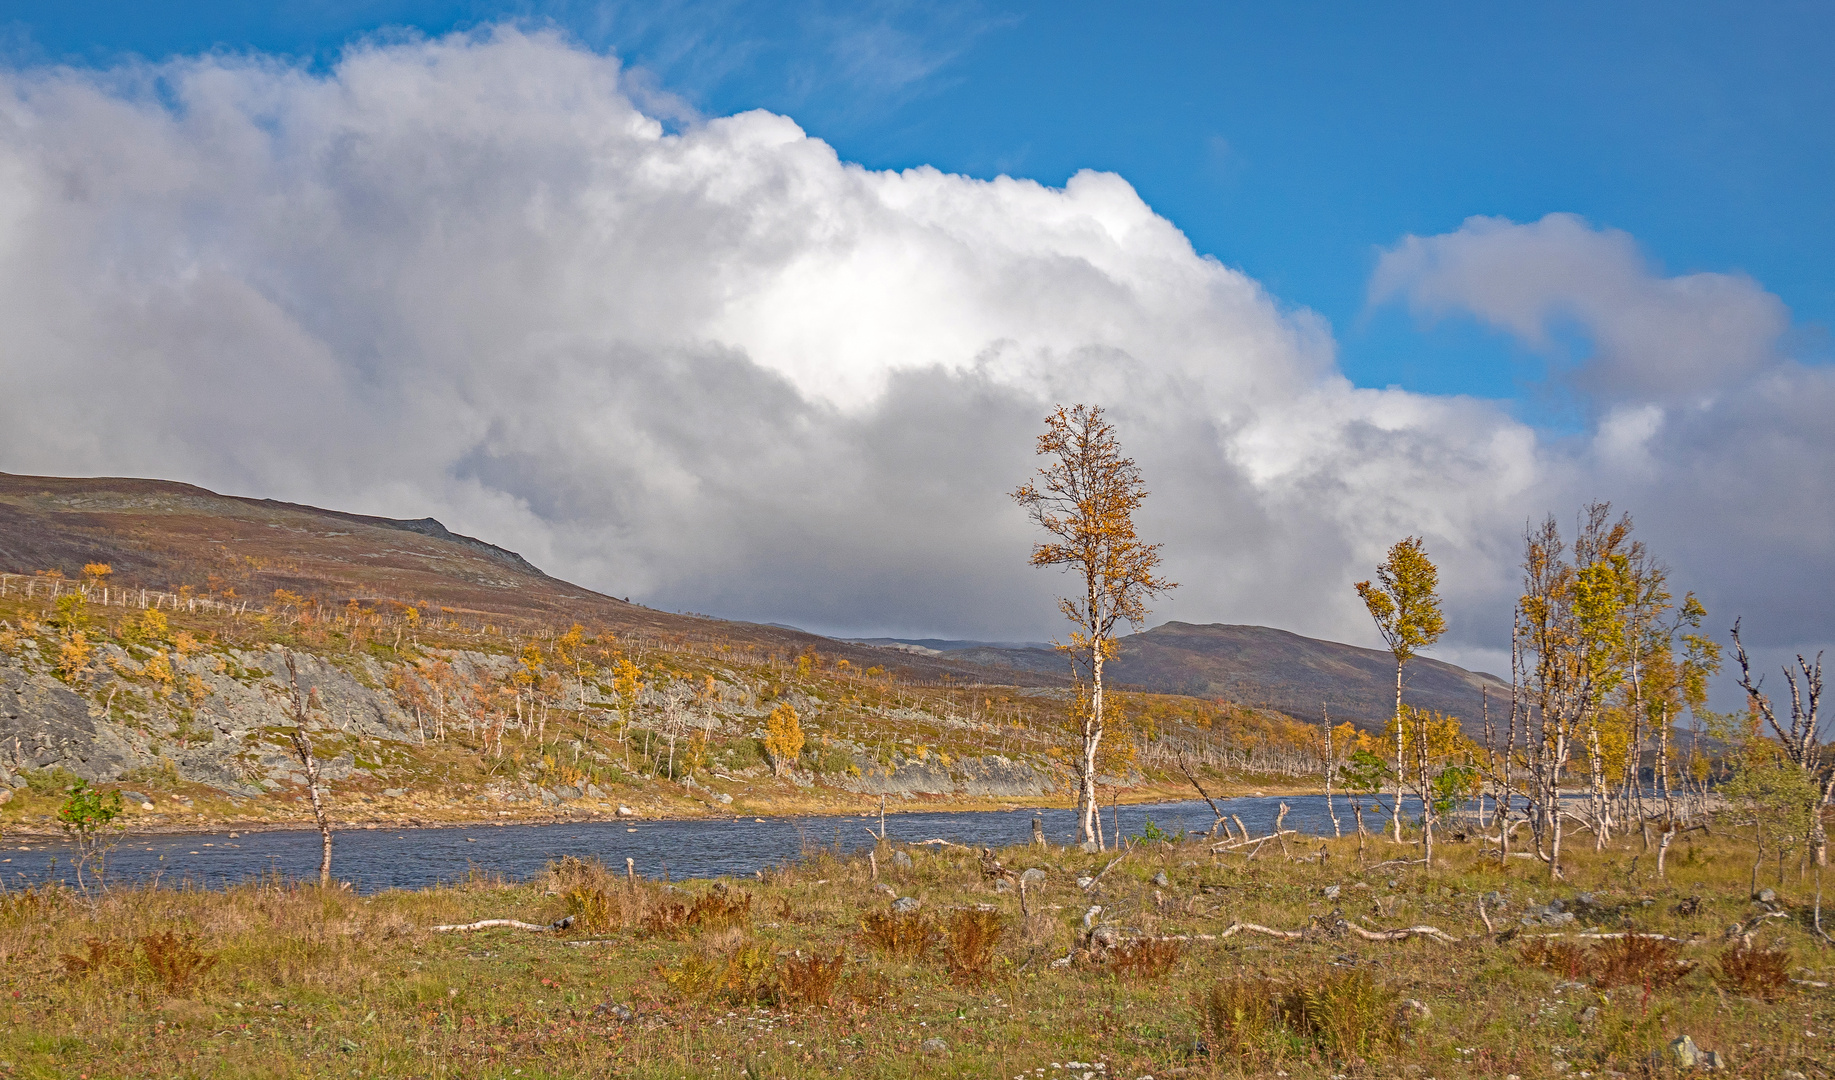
<point x="719" y="369"/>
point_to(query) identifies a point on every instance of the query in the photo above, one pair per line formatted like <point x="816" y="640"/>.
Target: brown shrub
<point x="1760" y="973"/>
<point x="665" y="918"/>
<point x="174" y="962"/>
<point x="1633" y="960"/>
<point x="1149" y="958"/>
<point x="908" y="935"/>
<point x="1568" y="961"/>
<point x="719" y="910"/>
<point x="1638" y="960"/>
<point x="810" y="980"/>
<point x="969" y="941"/>
<point x="99" y="957"/>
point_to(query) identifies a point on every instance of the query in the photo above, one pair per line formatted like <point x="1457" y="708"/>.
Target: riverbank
<point x="198" y="809"/>
<point x="1168" y="960"/>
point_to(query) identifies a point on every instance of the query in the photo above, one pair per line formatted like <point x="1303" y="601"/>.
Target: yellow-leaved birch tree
<point x="1085" y="497"/>
<point x="1404" y="601"/>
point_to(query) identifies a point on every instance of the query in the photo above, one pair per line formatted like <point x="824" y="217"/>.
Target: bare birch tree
<point x="1802" y="741"/>
<point x="302" y="749"/>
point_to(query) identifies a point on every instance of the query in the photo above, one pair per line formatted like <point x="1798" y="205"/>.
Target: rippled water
<point x="379" y="859"/>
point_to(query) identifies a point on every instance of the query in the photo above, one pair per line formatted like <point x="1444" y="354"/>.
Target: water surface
<point x="373" y="860"/>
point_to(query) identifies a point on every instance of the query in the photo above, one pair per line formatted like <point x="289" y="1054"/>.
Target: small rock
<point x="624" y="1013"/>
<point x="567" y="791"/>
<point x="393" y="792"/>
<point x="1002" y="885"/>
<point x="1033" y="876"/>
<point x="1061" y="962"/>
<point x="625" y="811"/>
<point x="1685" y="1053"/>
<point x="1088" y="847"/>
<point x="723" y="797"/>
<point x="905" y="905"/>
<point x="1106" y="936"/>
<point x="1089" y="917"/>
<point x="901" y="859"/>
<point x="1331" y="892"/>
<point x="934" y="1046"/>
<point x="1589" y="1016"/>
<point x="148" y="806"/>
<point x="131" y="796"/>
<point x="1495" y="899"/>
<point x="593" y="791"/>
<point x="1160" y="879"/>
<point x="1413" y="1011"/>
<point x="1085" y="881"/>
<point x="1767" y="896"/>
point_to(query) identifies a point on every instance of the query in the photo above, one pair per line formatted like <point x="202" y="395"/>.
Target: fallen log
<point x="509" y="924"/>
<point x="1402" y="934"/>
<point x="1257" y="840"/>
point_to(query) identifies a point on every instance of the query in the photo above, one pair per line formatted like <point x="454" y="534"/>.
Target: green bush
<point x="52" y="781"/>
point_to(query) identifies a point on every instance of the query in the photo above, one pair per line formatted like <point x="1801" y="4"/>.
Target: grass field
<point x="807" y="971"/>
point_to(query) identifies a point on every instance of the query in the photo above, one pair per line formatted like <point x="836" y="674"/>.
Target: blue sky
<point x="724" y="373"/>
<point x="1292" y="141"/>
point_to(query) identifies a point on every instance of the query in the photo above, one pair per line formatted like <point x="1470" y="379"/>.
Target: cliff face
<point x="228" y="731"/>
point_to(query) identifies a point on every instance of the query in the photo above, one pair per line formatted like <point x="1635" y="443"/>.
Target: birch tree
<point x="1085" y="497"/>
<point x="1801" y="742"/>
<point x="1405" y="603"/>
<point x="302" y="749"/>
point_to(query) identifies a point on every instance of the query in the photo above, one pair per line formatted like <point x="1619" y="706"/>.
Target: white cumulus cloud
<point x="721" y="369"/>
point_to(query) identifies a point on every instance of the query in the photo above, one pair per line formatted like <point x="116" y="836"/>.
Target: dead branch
<point x="1101" y="872"/>
<point x="512" y="924"/>
<point x="1402" y="934"/>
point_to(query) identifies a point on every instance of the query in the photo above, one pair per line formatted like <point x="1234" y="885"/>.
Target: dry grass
<point x="274" y="979"/>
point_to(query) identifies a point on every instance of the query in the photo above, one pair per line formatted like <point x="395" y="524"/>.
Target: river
<point x="377" y="859"/>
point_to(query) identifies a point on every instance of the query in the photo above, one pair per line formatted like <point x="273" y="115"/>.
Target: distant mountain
<point x="939" y="646"/>
<point x="1257" y="665"/>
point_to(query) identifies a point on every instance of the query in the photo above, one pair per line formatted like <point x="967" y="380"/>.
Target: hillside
<point x="157" y="534"/>
<point x="1275" y="669"/>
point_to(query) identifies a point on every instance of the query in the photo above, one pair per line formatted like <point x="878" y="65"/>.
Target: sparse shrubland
<point x="423" y="713"/>
<point x="805" y="971"/>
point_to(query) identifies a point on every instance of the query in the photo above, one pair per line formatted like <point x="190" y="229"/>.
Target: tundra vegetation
<point x="1176" y="956"/>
